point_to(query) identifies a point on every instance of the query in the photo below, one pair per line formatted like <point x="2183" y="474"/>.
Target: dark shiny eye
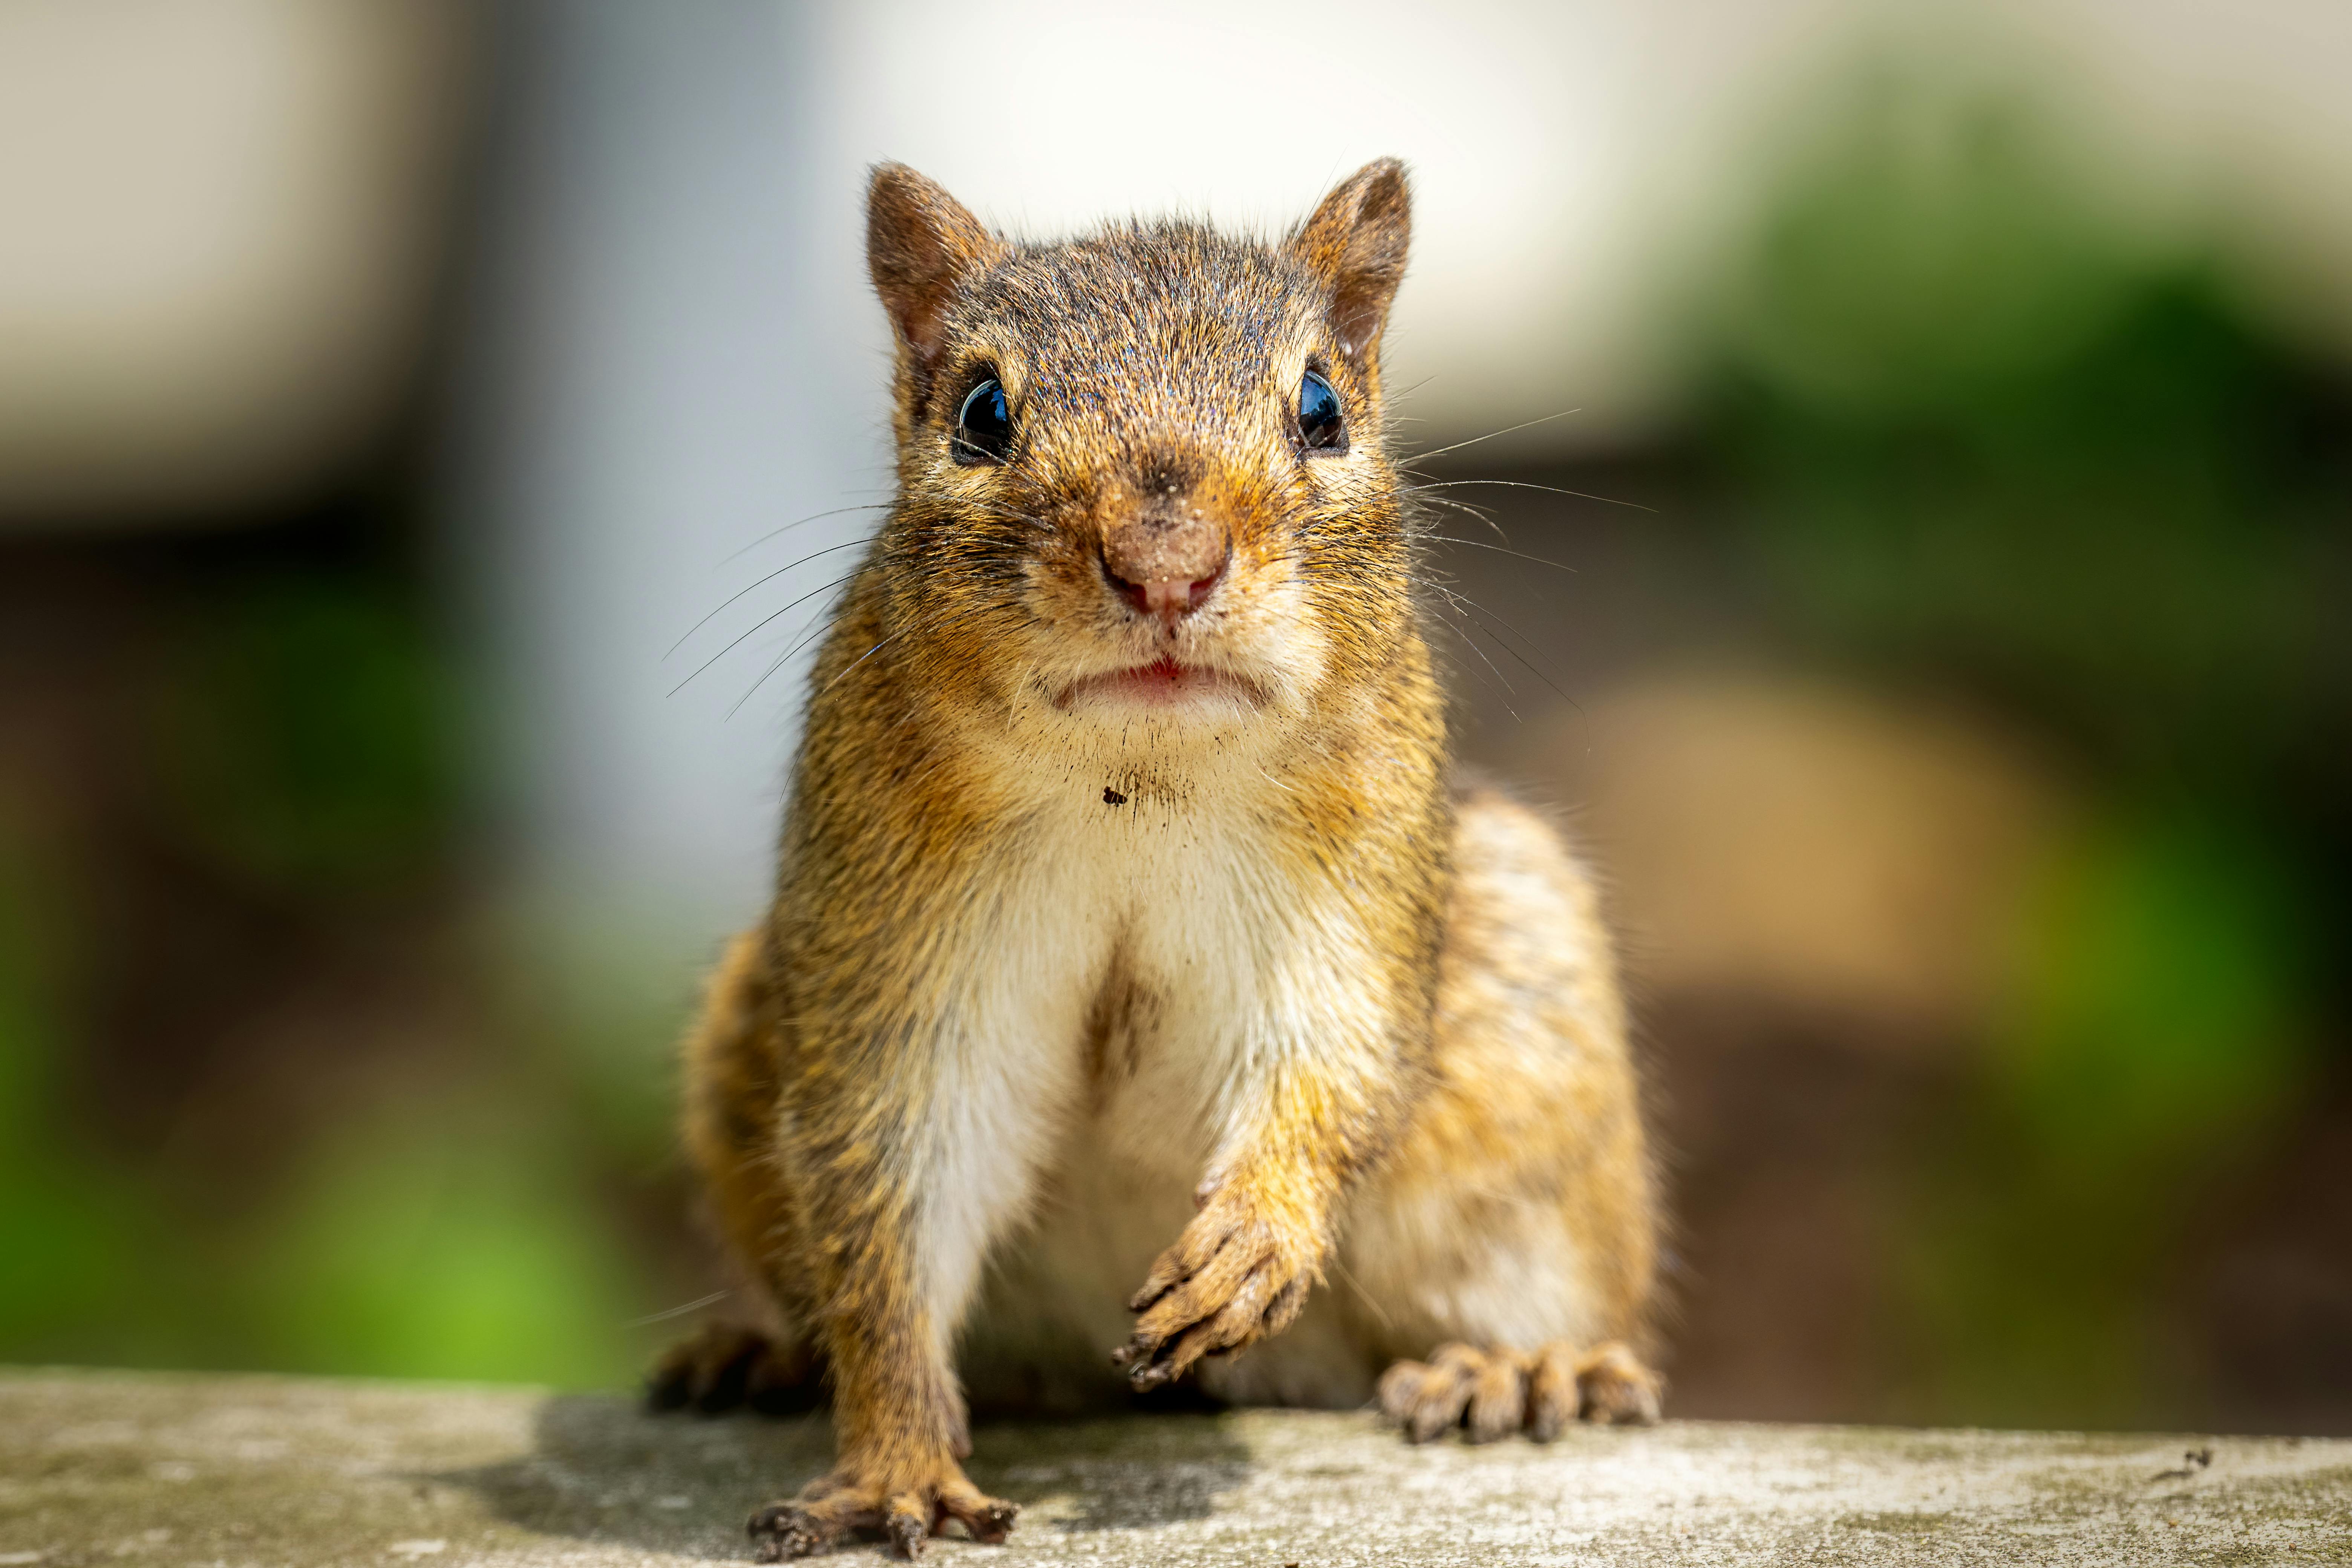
<point x="983" y="432"/>
<point x="1320" y="426"/>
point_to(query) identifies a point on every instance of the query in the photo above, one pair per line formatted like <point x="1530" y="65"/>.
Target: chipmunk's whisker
<point x="1460" y="625"/>
<point x="1464" y="606"/>
<point x="1427" y="485"/>
<point x="815" y="628"/>
<point x="813" y="517"/>
<point x="929" y="623"/>
<point x="768" y="620"/>
<point x="1400" y="397"/>
<point x="1481" y="612"/>
<point x="1489" y="435"/>
<point x="1474" y="513"/>
<point x="779" y="572"/>
<point x="678" y="1311"/>
<point x="1499" y="549"/>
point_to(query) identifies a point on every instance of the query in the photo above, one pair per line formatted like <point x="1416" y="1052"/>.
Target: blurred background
<point x="1955" y="683"/>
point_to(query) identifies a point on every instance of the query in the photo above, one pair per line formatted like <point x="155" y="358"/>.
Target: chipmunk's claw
<point x="830" y="1508"/>
<point x="1143" y="1372"/>
<point x="1230" y="1280"/>
<point x="985" y="1519"/>
<point x="782" y="1531"/>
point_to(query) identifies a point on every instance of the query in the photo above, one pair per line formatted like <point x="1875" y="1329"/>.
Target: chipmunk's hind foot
<point x="1494" y="1393"/>
<point x="721" y="1366"/>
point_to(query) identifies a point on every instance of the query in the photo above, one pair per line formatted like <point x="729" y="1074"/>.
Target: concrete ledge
<point x="98" y="1467"/>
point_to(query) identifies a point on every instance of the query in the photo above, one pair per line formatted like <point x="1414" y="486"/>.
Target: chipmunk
<point x="1131" y="939"/>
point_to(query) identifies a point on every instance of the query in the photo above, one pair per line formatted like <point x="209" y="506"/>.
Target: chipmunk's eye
<point x="983" y="432"/>
<point x="1320" y="425"/>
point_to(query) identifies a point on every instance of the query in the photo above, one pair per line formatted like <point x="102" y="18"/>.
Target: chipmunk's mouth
<point x="1162" y="683"/>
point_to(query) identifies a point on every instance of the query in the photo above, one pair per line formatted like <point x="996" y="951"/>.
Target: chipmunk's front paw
<point x="1494" y="1393"/>
<point x="906" y="1508"/>
<point x="1231" y="1278"/>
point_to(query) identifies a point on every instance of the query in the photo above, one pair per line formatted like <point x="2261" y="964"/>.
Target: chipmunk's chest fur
<point x="1121" y="977"/>
<point x="1165" y="951"/>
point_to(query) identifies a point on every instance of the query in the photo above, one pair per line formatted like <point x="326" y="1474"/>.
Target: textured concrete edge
<point x="253" y="1469"/>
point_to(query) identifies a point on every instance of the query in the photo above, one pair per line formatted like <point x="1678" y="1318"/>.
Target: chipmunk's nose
<point x="1165" y="565"/>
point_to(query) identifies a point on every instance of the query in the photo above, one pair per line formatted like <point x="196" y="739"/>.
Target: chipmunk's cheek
<point x="1285" y="627"/>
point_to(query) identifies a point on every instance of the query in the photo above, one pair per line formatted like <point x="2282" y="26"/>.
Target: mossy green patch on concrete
<point x="254" y="1472"/>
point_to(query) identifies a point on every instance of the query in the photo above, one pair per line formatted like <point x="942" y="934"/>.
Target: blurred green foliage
<point x="74" y="1226"/>
<point x="1974" y="433"/>
<point x="444" y="1241"/>
<point x="302" y="735"/>
<point x="295" y="747"/>
<point x="2158" y="997"/>
<point x="2159" y="1024"/>
<point x="1971" y="423"/>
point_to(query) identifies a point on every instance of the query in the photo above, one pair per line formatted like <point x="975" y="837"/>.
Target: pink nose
<point x="1166" y="595"/>
<point x="1165" y="563"/>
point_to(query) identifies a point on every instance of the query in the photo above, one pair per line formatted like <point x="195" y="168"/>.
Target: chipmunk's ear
<point x="1356" y="243"/>
<point x="921" y="245"/>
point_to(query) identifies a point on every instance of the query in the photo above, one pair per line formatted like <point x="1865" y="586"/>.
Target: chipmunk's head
<point x="1144" y="489"/>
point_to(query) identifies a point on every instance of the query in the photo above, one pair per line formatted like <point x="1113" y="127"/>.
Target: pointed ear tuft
<point x="921" y="245"/>
<point x="1356" y="243"/>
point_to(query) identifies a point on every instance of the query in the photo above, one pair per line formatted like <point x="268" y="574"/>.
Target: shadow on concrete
<point x="1118" y="1473"/>
<point x="602" y="1469"/>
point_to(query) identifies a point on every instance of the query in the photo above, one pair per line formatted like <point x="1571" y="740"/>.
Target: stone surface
<point x="124" y="1468"/>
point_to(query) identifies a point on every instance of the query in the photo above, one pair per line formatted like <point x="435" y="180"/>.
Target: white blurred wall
<point x="220" y="226"/>
<point x="659" y="376"/>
